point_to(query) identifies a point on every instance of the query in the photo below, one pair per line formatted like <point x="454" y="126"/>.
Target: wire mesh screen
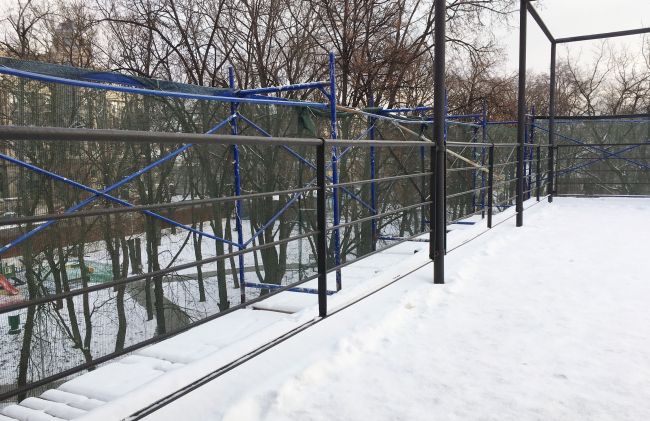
<point x="598" y="157"/>
<point x="45" y="258"/>
<point x="536" y="164"/>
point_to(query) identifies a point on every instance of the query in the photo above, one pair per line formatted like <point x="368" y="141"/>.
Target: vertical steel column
<point x="321" y="220"/>
<point x="373" y="197"/>
<point x="475" y="171"/>
<point x="521" y="113"/>
<point x="557" y="180"/>
<point x="490" y="184"/>
<point x="335" y="173"/>
<point x="539" y="167"/>
<point x="484" y="125"/>
<point x="423" y="181"/>
<point x="530" y="161"/>
<point x="437" y="248"/>
<point x="551" y="129"/>
<point x="235" y="155"/>
<point x="445" y="158"/>
<point x="525" y="154"/>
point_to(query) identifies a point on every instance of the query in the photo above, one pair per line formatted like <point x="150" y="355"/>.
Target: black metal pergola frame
<point x="525" y="8"/>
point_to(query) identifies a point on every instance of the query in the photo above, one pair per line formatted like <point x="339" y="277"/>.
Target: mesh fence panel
<point x="81" y="252"/>
<point x="610" y="157"/>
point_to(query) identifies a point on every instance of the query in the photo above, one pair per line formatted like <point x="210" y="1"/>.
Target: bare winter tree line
<point x="382" y="47"/>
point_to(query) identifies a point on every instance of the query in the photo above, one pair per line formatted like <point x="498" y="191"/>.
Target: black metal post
<point x="438" y="166"/>
<point x="521" y="114"/>
<point x="321" y="239"/>
<point x="604" y="35"/>
<point x="557" y="180"/>
<point x="490" y="184"/>
<point x="551" y="129"/>
<point x="539" y="167"/>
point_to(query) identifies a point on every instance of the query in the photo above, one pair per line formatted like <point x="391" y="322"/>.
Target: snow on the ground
<point x="548" y="321"/>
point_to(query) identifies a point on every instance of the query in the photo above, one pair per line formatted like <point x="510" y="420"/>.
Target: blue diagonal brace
<point x="303" y="160"/>
<point x="596" y="160"/>
<point x="610" y="154"/>
<point x="103" y="193"/>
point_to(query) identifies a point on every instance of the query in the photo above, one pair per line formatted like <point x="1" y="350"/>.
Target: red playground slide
<point x="4" y="283"/>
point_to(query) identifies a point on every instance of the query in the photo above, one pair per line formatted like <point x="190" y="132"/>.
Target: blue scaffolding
<point x="107" y="81"/>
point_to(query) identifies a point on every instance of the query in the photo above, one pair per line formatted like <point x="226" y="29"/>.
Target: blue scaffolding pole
<point x="238" y="208"/>
<point x="104" y="193"/>
<point x="530" y="152"/>
<point x="309" y="164"/>
<point x="142" y="91"/>
<point x="373" y="197"/>
<point x="484" y="127"/>
<point x="286" y="88"/>
<point x="335" y="173"/>
<point x="235" y="98"/>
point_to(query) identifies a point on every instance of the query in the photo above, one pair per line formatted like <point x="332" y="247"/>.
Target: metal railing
<point x="44" y="299"/>
<point x="536" y="181"/>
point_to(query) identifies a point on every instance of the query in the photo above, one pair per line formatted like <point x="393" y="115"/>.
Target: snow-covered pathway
<point x="548" y="321"/>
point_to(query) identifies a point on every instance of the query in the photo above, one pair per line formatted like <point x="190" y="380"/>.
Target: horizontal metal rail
<point x="620" y="117"/>
<point x="273" y="287"/>
<point x="486" y="145"/>
<point x="465" y="216"/>
<point x="603" y="35"/>
<point x="285" y="88"/>
<point x="604" y="184"/>
<point x="596" y="157"/>
<point x="379" y="215"/>
<point x="504" y="182"/>
<point x="379" y="180"/>
<point x="600" y="145"/>
<point x="379" y="143"/>
<point x="134" y="209"/>
<point x="504" y="164"/>
<point x="162" y="272"/>
<point x="142" y="413"/>
<point x="466" y="168"/>
<point x="585" y="169"/>
<point x="44" y="134"/>
<point x="468" y="192"/>
<point x="349" y="262"/>
<point x="146" y="342"/>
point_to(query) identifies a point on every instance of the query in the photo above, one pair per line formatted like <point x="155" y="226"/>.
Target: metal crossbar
<point x="600" y="150"/>
<point x="104" y="193"/>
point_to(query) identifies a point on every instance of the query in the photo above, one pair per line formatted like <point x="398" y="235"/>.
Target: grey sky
<point x="566" y="18"/>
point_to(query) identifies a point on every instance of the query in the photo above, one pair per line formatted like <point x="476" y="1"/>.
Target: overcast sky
<point x="566" y="18"/>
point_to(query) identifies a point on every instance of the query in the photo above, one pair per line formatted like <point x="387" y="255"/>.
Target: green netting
<point x="61" y="256"/>
<point x="607" y="169"/>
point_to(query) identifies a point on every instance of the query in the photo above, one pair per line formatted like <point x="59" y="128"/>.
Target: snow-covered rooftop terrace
<point x="547" y="321"/>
